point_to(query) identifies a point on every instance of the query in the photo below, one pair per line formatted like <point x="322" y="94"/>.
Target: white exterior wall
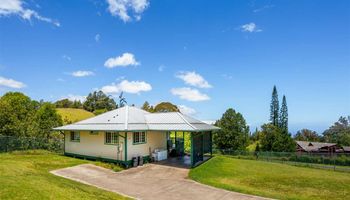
<point x="154" y="140"/>
<point x="94" y="145"/>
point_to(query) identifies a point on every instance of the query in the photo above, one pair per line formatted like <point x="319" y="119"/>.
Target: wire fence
<point x="12" y="143"/>
<point x="331" y="161"/>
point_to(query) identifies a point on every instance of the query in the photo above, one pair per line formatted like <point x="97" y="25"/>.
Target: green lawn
<point x="272" y="179"/>
<point x="25" y="175"/>
<point x="71" y="115"/>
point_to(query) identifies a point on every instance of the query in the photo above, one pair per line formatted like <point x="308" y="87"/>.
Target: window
<point x="139" y="137"/>
<point x="111" y="138"/>
<point x="74" y="136"/>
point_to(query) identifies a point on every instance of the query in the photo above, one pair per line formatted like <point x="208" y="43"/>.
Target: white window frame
<point x="139" y="138"/>
<point x="74" y="136"/>
<point x="111" y="138"/>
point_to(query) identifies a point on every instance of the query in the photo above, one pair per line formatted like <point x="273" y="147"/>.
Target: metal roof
<point x="129" y="118"/>
<point x="313" y="146"/>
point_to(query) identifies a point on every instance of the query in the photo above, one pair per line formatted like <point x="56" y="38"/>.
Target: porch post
<point x="211" y="143"/>
<point x="126" y="147"/>
<point x="192" y="149"/>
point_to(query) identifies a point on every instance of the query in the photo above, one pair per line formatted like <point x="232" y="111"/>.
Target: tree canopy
<point x="274" y="139"/>
<point x="21" y="116"/>
<point x="274" y="107"/>
<point x="339" y="132"/>
<point x="234" y="133"/>
<point x="307" y="135"/>
<point x="98" y="100"/>
<point x="161" y="107"/>
<point x="166" y="107"/>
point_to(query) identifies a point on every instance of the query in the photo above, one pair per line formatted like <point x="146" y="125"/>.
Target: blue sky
<point x="206" y="56"/>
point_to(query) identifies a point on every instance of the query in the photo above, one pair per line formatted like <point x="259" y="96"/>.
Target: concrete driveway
<point x="150" y="181"/>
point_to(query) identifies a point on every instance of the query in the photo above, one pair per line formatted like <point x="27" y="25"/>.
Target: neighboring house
<point x="346" y="149"/>
<point x="317" y="147"/>
<point x="123" y="133"/>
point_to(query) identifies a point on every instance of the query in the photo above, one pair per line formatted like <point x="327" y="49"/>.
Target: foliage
<point x="26" y="175"/>
<point x="166" y="107"/>
<point x="16" y="113"/>
<point x="274" y="180"/>
<point x="20" y="116"/>
<point x="99" y="100"/>
<point x="234" y="133"/>
<point x="72" y="115"/>
<point x="147" y="107"/>
<point x="283" y="120"/>
<point x="255" y="136"/>
<point x="274" y="107"/>
<point x="274" y="139"/>
<point x="100" y="111"/>
<point x="339" y="132"/>
<point x="45" y="119"/>
<point x="307" y="135"/>
<point x="13" y="143"/>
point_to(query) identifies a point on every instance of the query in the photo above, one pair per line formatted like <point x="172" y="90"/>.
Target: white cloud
<point x="122" y="61"/>
<point x="161" y="68"/>
<point x="121" y="8"/>
<point x="65" y="57"/>
<point x="82" y="73"/>
<point x="187" y="110"/>
<point x="15" y="7"/>
<point x="72" y="97"/>
<point x="7" y="82"/>
<point x="226" y="76"/>
<point x="251" y="27"/>
<point x="97" y="37"/>
<point x="193" y="79"/>
<point x="189" y="94"/>
<point x="263" y="8"/>
<point x="133" y="87"/>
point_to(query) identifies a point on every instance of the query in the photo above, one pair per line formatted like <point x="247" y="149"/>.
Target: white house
<point x="123" y="133"/>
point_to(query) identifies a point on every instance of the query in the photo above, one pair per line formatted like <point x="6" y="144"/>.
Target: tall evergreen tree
<point x="274" y="107"/>
<point x="284" y="115"/>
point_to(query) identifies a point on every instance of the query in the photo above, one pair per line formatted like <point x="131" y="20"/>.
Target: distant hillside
<point x="72" y="115"/>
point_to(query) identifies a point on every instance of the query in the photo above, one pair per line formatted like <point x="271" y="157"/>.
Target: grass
<point x="72" y="115"/>
<point x="25" y="175"/>
<point x="272" y="180"/>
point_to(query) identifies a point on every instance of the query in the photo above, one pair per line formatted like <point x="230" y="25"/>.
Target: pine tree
<point x="274" y="107"/>
<point x="284" y="115"/>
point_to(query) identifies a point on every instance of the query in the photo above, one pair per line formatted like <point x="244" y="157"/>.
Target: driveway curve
<point x="147" y="182"/>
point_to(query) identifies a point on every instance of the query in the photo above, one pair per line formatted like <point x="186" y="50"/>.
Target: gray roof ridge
<point x="186" y="121"/>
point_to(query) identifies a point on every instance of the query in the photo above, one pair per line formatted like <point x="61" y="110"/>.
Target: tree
<point x="45" y="119"/>
<point x="274" y="107"/>
<point x="274" y="139"/>
<point x="77" y="104"/>
<point x="339" y="132"/>
<point x="99" y="100"/>
<point x="166" y="107"/>
<point x="64" y="103"/>
<point x="234" y="132"/>
<point x="307" y="135"/>
<point x="147" y="107"/>
<point x="16" y="114"/>
<point x="284" y="115"/>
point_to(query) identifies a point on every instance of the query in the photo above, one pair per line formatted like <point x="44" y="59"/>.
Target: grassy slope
<point x="272" y="179"/>
<point x="25" y="175"/>
<point x="73" y="114"/>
